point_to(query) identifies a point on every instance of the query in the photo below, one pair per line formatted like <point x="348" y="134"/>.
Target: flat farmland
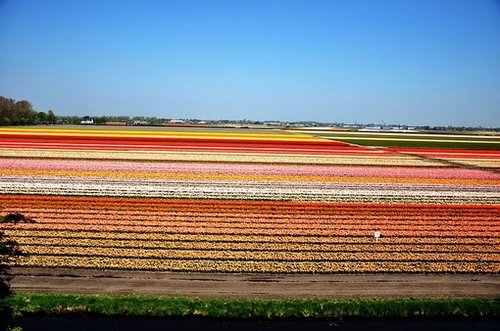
<point x="415" y="139"/>
<point x="229" y="202"/>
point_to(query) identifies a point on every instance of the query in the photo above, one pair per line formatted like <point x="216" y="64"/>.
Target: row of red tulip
<point x="151" y="205"/>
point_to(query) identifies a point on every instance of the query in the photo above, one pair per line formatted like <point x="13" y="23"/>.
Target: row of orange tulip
<point x="42" y="234"/>
<point x="233" y="225"/>
<point x="260" y="266"/>
<point x="278" y="246"/>
<point x="408" y="231"/>
<point x="251" y="255"/>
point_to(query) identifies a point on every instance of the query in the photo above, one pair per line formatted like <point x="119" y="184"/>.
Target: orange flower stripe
<point x="259" y="266"/>
<point x="246" y="201"/>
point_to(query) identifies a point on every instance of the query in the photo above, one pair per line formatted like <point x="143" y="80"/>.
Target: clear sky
<point x="418" y="62"/>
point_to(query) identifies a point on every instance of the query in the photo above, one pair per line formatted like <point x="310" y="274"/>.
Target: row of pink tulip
<point x="247" y="169"/>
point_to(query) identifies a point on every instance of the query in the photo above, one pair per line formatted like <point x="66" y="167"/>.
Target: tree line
<point x="21" y="112"/>
<point x="143" y="120"/>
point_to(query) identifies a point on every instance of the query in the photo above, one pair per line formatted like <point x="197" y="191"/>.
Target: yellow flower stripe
<point x="163" y="134"/>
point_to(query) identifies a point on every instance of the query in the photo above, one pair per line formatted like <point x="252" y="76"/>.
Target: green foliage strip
<point x="252" y="308"/>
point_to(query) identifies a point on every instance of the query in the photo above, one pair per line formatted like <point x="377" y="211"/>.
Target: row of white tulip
<point x="281" y="191"/>
<point x="249" y="184"/>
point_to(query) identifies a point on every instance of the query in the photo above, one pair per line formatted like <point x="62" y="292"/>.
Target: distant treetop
<point x="14" y="112"/>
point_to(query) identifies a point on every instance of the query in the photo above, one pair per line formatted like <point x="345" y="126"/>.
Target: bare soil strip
<point x="266" y="286"/>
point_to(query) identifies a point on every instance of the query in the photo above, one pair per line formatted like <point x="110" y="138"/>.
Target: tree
<point x="42" y="117"/>
<point x="51" y="117"/>
<point x="25" y="113"/>
<point x="16" y="112"/>
<point x="9" y="251"/>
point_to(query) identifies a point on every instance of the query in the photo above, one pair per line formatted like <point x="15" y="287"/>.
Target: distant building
<point x="138" y="123"/>
<point x="87" y="120"/>
<point x="176" y="123"/>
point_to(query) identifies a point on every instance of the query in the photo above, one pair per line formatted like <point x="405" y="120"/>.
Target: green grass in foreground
<point x="250" y="308"/>
<point x="444" y="144"/>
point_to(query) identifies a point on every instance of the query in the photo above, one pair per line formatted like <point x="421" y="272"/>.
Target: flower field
<point x="214" y="200"/>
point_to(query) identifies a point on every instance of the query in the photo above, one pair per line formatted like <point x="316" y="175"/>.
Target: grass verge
<point x="251" y="308"/>
<point x="444" y="144"/>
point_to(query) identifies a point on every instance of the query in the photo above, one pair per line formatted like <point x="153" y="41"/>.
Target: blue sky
<point x="416" y="62"/>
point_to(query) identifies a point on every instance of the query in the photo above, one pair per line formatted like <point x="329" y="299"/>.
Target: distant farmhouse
<point x="87" y="120"/>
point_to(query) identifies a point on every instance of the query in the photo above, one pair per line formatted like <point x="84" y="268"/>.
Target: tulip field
<point x="248" y="200"/>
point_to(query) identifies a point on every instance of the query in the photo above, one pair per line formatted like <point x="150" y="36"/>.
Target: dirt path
<point x="251" y="285"/>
